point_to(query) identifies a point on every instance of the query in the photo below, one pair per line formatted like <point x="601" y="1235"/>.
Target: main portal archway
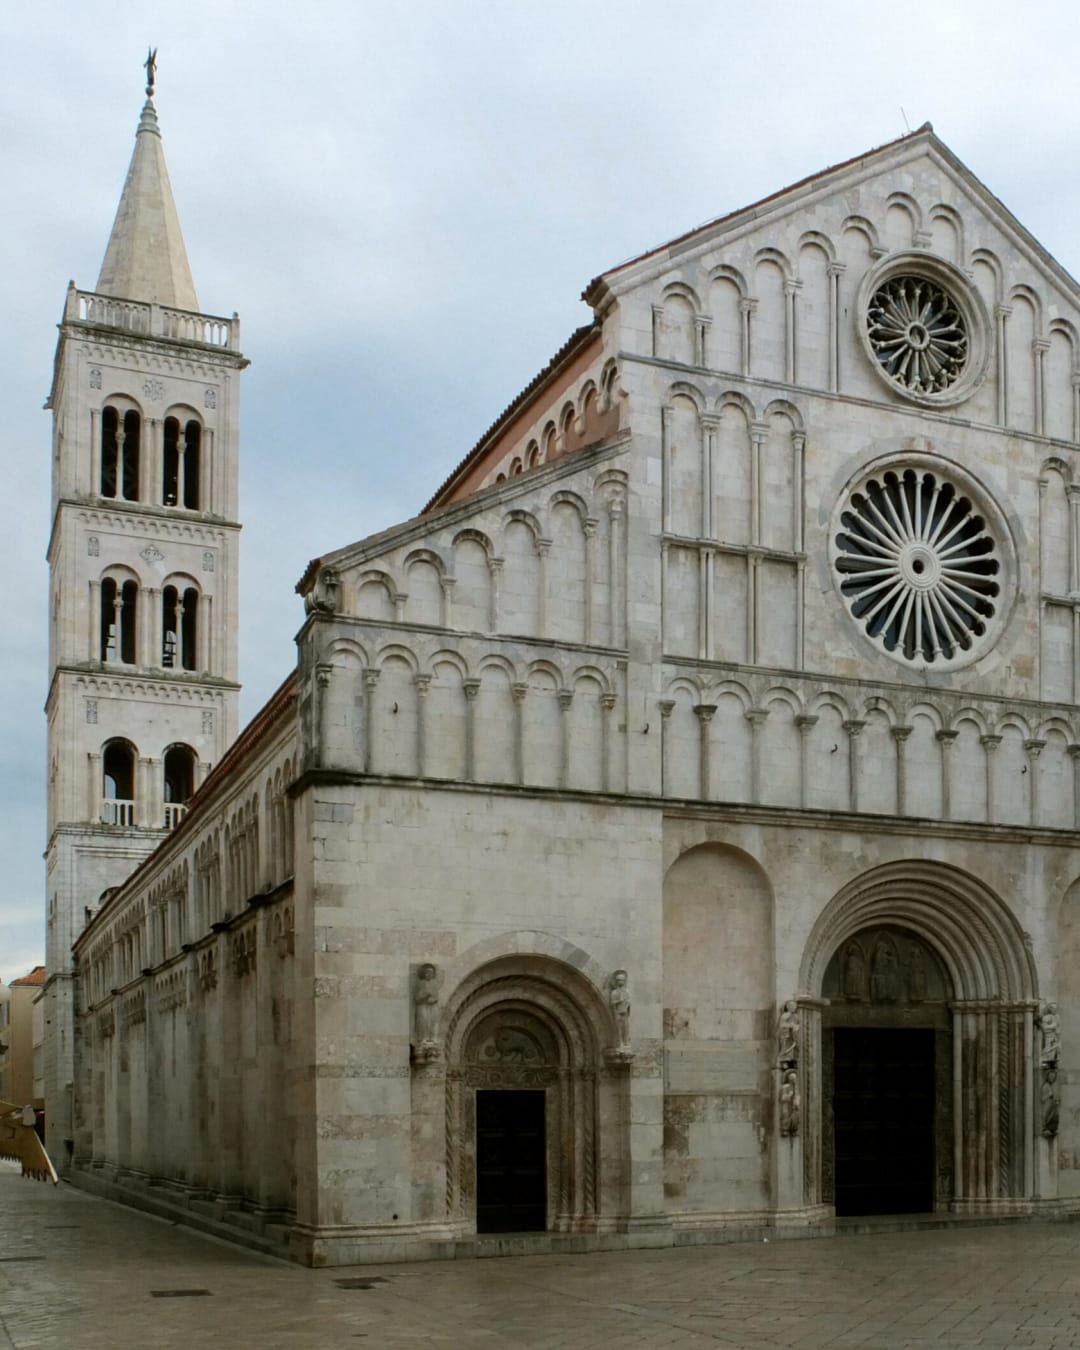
<point x="907" y="948"/>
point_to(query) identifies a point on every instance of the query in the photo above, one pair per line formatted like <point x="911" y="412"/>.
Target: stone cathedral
<point x="666" y="836"/>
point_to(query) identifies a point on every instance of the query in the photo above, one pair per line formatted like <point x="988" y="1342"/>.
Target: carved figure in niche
<point x="854" y="972"/>
<point x="619" y="998"/>
<point x="1050" y="1026"/>
<point x="1048" y="1098"/>
<point x="916" y="975"/>
<point x="425" y="1013"/>
<point x="789" y="1103"/>
<point x="511" y="1047"/>
<point x="788" y="1035"/>
<point x="884" y="973"/>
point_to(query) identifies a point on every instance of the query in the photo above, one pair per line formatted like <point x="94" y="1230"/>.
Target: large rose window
<point x="918" y="566"/>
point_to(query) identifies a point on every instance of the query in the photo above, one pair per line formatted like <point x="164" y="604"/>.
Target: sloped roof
<point x="145" y="258"/>
<point x="36" y="977"/>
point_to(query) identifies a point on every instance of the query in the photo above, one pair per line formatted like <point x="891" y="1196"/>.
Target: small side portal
<point x="511" y="1175"/>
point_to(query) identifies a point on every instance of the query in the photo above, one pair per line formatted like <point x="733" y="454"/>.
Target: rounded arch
<point x="725" y="272"/>
<point x="969" y="927"/>
<point x="425" y="555"/>
<point x="475" y="537"/>
<point x="530" y="1018"/>
<point x="815" y="239"/>
<point x="732" y="398"/>
<point x="782" y="407"/>
<point x="684" y="292"/>
<point x="862" y="226"/>
<point x="777" y="258"/>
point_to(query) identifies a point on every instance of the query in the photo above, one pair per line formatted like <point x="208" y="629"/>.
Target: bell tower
<point x="143" y="553"/>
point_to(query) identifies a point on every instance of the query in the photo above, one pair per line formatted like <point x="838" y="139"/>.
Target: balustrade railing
<point x="117" y="811"/>
<point x="174" y="814"/>
<point x="131" y="316"/>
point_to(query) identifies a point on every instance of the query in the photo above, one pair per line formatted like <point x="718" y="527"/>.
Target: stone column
<point x="1039" y="348"/>
<point x="709" y="427"/>
<point x="589" y="530"/>
<point x="1076" y="406"/>
<point x="746" y="308"/>
<point x="607" y="704"/>
<point x="543" y="549"/>
<point x="323" y="676"/>
<point x="665" y="468"/>
<point x="95" y="452"/>
<point x="566" y="698"/>
<point x="371" y="681"/>
<point x="758" y="433"/>
<point x="208" y="494"/>
<point x="446" y="585"/>
<point x="756" y="718"/>
<point x="900" y="739"/>
<point x="472" y="691"/>
<point x="1073" y="494"/>
<point x="1033" y="748"/>
<point x="853" y="729"/>
<point x="753" y="570"/>
<point x="667" y="706"/>
<point x="704" y="713"/>
<point x="151" y="636"/>
<point x="835" y="271"/>
<point x="155" y="793"/>
<point x="1074" y="755"/>
<point x="143" y="793"/>
<point x="495" y="567"/>
<point x="616" y="515"/>
<point x="791" y="287"/>
<point x="96" y="653"/>
<point x="1001" y="314"/>
<point x="94" y="785"/>
<point x="518" y="692"/>
<point x="945" y="739"/>
<point x="705" y="588"/>
<point x="798" y="448"/>
<point x="805" y="723"/>
<point x="423" y="684"/>
<point x="989" y="744"/>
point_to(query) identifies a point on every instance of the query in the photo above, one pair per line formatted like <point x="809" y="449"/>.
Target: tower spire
<point x="146" y="258"/>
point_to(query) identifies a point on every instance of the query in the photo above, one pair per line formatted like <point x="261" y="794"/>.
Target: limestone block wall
<point x="185" y="993"/>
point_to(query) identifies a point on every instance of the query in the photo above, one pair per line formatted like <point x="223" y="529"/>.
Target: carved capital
<point x="988" y="742"/>
<point x="667" y="707"/>
<point x="565" y="697"/>
<point x="607" y="702"/>
<point x="945" y="738"/>
<point x="1033" y="747"/>
<point x="323" y="673"/>
<point x="900" y="733"/>
<point x="853" y="727"/>
<point x="472" y="688"/>
<point x="371" y="679"/>
<point x="518" y="692"/>
<point x="423" y="684"/>
<point x="755" y="716"/>
<point x="806" y="722"/>
<point x="705" y="711"/>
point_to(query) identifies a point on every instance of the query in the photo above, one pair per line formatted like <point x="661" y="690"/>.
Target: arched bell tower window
<point x="179" y="616"/>
<point x="119" y="606"/>
<point x="118" y="783"/>
<point x="179" y="769"/>
<point x="120" y="438"/>
<point x="180" y="475"/>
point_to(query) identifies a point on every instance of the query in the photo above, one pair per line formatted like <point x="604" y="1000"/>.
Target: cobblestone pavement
<point x="78" y="1273"/>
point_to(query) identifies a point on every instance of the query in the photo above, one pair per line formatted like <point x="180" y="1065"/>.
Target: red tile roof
<point x="36" y="976"/>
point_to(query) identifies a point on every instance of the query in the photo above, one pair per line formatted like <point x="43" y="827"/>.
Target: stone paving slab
<point x="79" y="1273"/>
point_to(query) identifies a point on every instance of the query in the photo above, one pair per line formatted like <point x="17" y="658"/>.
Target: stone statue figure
<point x="916" y="975"/>
<point x="789" y="1103"/>
<point x="1050" y="1025"/>
<point x="150" y="66"/>
<point x="619" y="998"/>
<point x="426" y="1012"/>
<point x="1048" y="1099"/>
<point x="788" y="1034"/>
<point x="884" y="975"/>
<point x="854" y="972"/>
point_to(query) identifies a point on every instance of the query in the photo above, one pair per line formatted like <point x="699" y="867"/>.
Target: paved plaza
<point x="78" y="1273"/>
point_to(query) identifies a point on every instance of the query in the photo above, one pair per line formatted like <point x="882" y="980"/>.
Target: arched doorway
<point x="918" y="984"/>
<point x="886" y="1071"/>
<point x="526" y="1087"/>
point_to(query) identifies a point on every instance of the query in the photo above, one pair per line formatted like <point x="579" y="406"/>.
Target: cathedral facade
<point x="670" y="833"/>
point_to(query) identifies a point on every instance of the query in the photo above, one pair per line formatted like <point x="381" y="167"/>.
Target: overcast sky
<point x="404" y="202"/>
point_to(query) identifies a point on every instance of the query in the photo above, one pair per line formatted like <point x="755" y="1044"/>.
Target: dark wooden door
<point x="511" y="1181"/>
<point x="883" y="1112"/>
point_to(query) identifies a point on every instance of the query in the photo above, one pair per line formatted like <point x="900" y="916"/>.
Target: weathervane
<point x="150" y="65"/>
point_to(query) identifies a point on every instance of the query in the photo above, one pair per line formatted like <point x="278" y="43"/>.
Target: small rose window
<point x="918" y="333"/>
